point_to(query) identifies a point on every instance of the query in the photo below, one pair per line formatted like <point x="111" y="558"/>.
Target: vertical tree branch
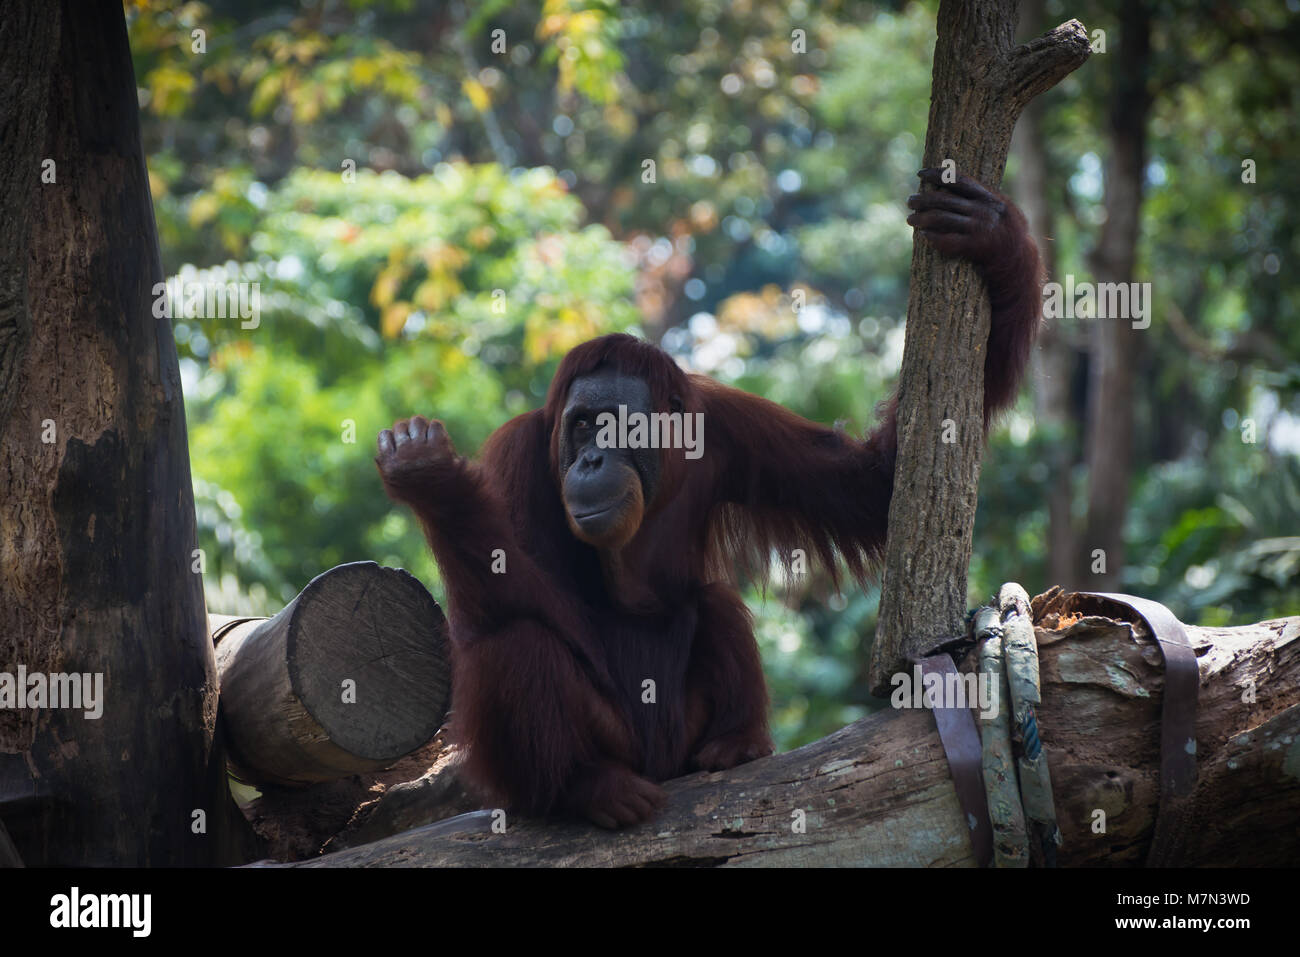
<point x="981" y="83"/>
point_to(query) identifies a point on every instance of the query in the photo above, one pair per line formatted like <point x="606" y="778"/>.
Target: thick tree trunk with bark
<point x="97" y="514"/>
<point x="1114" y="343"/>
<point x="981" y="83"/>
<point x="878" y="793"/>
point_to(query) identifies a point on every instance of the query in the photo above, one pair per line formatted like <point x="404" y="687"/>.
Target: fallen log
<point x="878" y="792"/>
<point x="349" y="677"/>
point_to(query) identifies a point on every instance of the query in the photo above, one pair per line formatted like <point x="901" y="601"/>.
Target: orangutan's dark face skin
<point x="606" y="490"/>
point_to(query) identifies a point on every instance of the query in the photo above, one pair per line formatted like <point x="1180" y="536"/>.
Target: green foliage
<point x="583" y="46"/>
<point x="467" y="253"/>
<point x="276" y="443"/>
<point x="811" y="675"/>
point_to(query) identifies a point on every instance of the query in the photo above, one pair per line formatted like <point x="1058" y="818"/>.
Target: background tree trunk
<point x="97" y="517"/>
<point x="1114" y="343"/>
<point x="981" y="83"/>
<point x="1053" y="359"/>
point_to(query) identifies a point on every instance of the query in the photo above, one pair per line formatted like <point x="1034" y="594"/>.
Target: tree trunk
<point x="1053" y="359"/>
<point x="97" y="518"/>
<point x="878" y="793"/>
<point x="1114" y="343"/>
<point x="981" y="83"/>
<point x="350" y="676"/>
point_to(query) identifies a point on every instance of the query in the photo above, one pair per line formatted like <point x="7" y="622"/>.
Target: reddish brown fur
<point x="549" y="657"/>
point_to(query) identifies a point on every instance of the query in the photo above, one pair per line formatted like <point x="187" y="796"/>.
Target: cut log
<point x="349" y="677"/>
<point x="878" y="792"/>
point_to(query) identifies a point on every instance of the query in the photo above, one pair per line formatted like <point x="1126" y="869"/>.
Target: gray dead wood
<point x="350" y="676"/>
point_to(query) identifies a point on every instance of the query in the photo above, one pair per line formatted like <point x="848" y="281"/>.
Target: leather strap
<point x="962" y="746"/>
<point x="1177" y="726"/>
